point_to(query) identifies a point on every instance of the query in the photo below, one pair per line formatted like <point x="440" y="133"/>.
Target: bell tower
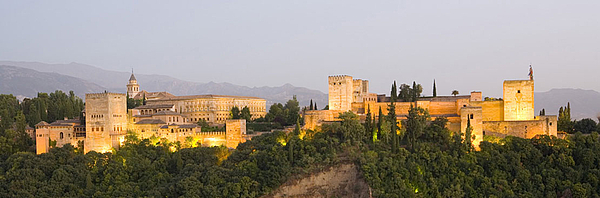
<point x="133" y="88"/>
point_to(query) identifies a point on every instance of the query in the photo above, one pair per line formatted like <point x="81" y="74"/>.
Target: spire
<point x="132" y="76"/>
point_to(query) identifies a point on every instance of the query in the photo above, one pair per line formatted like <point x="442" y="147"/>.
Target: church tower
<point x="133" y="88"/>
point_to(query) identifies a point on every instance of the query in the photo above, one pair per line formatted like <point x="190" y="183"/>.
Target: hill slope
<point x="23" y="82"/>
<point x="584" y="103"/>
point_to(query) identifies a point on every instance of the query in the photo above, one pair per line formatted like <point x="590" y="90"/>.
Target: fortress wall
<point x="473" y="116"/>
<point x="492" y="110"/>
<point x="442" y="108"/>
<point x="524" y="129"/>
<point x="314" y="119"/>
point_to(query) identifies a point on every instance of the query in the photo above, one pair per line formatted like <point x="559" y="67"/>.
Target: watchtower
<point x="340" y="92"/>
<point x="518" y="100"/>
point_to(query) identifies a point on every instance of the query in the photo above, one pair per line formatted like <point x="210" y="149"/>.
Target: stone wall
<point x="340" y="93"/>
<point x="474" y="116"/>
<point x="518" y="100"/>
<point x="545" y="125"/>
<point x="235" y="129"/>
<point x="106" y="121"/>
<point x="491" y="110"/>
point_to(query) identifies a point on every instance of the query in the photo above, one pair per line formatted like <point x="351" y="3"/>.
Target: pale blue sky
<point x="465" y="45"/>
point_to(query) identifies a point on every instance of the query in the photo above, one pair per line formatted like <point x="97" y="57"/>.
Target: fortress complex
<point x="514" y="115"/>
<point x="106" y="120"/>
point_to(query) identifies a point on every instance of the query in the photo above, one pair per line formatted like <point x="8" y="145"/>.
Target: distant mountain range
<point x="25" y="79"/>
<point x="86" y="78"/>
<point x="584" y="103"/>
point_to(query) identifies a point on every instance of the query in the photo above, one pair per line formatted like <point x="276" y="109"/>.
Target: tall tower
<point x="518" y="100"/>
<point x="133" y="88"/>
<point x="105" y="121"/>
<point x="340" y="92"/>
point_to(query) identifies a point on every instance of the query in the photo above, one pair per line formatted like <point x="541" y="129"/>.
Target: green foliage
<point x="585" y="126"/>
<point x="205" y="127"/>
<point x="245" y="114"/>
<point x="133" y="103"/>
<point x="455" y="92"/>
<point x="415" y="124"/>
<point x="564" y="119"/>
<point x="284" y="115"/>
<point x="235" y="113"/>
<point x="410" y="94"/>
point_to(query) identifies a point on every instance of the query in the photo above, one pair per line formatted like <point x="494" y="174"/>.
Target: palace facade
<point x="513" y="115"/>
<point x="106" y="120"/>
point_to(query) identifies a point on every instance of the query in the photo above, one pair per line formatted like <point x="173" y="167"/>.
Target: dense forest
<point x="420" y="159"/>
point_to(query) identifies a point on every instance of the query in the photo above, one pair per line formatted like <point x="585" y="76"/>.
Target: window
<point x="471" y="116"/>
<point x="518" y="91"/>
<point x="61" y="135"/>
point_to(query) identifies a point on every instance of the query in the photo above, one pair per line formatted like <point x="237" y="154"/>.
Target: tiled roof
<point x="166" y="113"/>
<point x="205" y="96"/>
<point x="151" y="121"/>
<point x="155" y="106"/>
<point x="42" y="123"/>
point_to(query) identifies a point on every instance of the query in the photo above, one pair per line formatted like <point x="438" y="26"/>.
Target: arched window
<point x="62" y="135"/>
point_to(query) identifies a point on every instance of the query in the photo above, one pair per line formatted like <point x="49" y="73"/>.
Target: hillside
<point x="23" y="82"/>
<point x="584" y="103"/>
<point x="115" y="81"/>
<point x="342" y="180"/>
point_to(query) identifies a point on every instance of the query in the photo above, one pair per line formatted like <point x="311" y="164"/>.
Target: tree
<point x="585" y="126"/>
<point x="392" y="119"/>
<point x="316" y="108"/>
<point x="245" y="114"/>
<point x="311" y="105"/>
<point x="564" y="119"/>
<point x="23" y="140"/>
<point x="405" y="93"/>
<point x="469" y="136"/>
<point x="368" y="121"/>
<point x="455" y="92"/>
<point x="416" y="91"/>
<point x="235" y="112"/>
<point x="434" y="89"/>
<point x="380" y="120"/>
<point x="543" y="112"/>
<point x="415" y="124"/>
<point x="292" y="109"/>
<point x="326" y="107"/>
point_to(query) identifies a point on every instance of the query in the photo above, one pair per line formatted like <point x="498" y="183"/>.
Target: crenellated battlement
<point x="103" y="94"/>
<point x="339" y="77"/>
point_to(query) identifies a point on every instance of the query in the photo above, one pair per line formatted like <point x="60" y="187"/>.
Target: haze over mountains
<point x="86" y="78"/>
<point x="25" y="79"/>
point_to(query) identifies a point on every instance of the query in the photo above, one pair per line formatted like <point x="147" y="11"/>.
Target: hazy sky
<point x="464" y="45"/>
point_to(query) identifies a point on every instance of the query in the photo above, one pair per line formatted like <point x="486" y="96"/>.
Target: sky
<point x="463" y="45"/>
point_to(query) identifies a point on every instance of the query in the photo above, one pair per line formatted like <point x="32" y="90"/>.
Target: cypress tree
<point x="392" y="117"/>
<point x="316" y="106"/>
<point x="434" y="89"/>
<point x="311" y="105"/>
<point x="379" y="121"/>
<point x="368" y="122"/>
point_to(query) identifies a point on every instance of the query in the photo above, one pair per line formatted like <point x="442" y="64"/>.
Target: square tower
<point x="518" y="100"/>
<point x="340" y="92"/>
<point x="106" y="121"/>
<point x="235" y="130"/>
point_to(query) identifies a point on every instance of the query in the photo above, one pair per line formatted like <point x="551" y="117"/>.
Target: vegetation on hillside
<point x="420" y="159"/>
